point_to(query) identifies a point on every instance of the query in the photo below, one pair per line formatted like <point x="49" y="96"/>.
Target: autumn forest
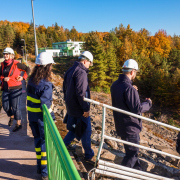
<point x="158" y="55"/>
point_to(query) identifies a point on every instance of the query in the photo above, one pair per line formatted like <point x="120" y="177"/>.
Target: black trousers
<point x="131" y="158"/>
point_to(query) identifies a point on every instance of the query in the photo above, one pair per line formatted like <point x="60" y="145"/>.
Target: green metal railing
<point x="59" y="162"/>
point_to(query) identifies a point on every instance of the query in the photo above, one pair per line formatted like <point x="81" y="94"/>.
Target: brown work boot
<point x="17" y="127"/>
<point x="10" y="123"/>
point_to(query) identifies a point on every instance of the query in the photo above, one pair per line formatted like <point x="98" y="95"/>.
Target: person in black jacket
<point x="75" y="88"/>
<point x="125" y="96"/>
<point x="39" y="92"/>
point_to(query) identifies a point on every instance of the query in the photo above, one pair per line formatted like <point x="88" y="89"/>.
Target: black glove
<point x="65" y="119"/>
<point x="178" y="143"/>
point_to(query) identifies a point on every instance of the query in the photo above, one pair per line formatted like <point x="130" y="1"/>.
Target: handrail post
<point x="102" y="134"/>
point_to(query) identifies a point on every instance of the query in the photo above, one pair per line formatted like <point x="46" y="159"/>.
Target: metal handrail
<point x="131" y="114"/>
<point x="103" y="136"/>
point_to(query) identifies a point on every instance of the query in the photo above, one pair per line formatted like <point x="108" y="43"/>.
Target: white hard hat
<point x="87" y="55"/>
<point x="44" y="58"/>
<point x="129" y="65"/>
<point x="8" y="50"/>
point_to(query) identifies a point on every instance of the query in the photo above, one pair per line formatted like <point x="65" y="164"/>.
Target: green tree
<point x="174" y="58"/>
<point x="8" y="35"/>
<point x="41" y="40"/>
<point x="98" y="71"/>
<point x="30" y="42"/>
<point x="1" y="40"/>
<point x="73" y="34"/>
<point x="112" y="65"/>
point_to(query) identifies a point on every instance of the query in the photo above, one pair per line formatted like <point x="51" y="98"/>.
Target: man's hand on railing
<point x="149" y="100"/>
<point x="86" y="114"/>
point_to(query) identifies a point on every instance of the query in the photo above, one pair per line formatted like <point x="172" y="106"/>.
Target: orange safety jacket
<point x="13" y="74"/>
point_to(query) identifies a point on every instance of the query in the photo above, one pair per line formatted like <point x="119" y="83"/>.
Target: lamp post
<point x="22" y="51"/>
<point x="36" y="47"/>
<point x="27" y="55"/>
<point x="25" y="48"/>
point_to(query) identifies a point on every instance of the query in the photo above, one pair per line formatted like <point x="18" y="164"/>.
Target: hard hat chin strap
<point x="127" y="70"/>
<point x="81" y="58"/>
<point x="41" y="65"/>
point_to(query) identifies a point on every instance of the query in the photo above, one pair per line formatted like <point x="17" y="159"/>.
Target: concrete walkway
<point x="17" y="153"/>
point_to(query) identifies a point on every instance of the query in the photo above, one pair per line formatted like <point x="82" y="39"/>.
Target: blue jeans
<point x="85" y="139"/>
<point x="131" y="158"/>
<point x="11" y="102"/>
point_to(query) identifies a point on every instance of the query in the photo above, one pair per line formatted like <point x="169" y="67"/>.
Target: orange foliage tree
<point x="160" y="43"/>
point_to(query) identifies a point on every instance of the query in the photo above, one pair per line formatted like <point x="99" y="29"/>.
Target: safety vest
<point x="13" y="74"/>
<point x="34" y="103"/>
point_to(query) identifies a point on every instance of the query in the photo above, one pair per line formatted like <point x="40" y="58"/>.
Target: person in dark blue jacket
<point x="75" y="88"/>
<point x="125" y="96"/>
<point x="39" y="92"/>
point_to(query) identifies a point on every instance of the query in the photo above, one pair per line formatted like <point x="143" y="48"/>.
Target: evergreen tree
<point x="176" y="42"/>
<point x="1" y="41"/>
<point x="112" y="65"/>
<point x="174" y="58"/>
<point x="30" y="42"/>
<point x="8" y="35"/>
<point x="116" y="42"/>
<point x="98" y="71"/>
<point x="73" y="34"/>
<point x="41" y="40"/>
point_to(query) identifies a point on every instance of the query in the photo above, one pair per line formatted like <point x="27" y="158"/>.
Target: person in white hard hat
<point x="39" y="92"/>
<point x="10" y="76"/>
<point x="125" y="96"/>
<point x="75" y="88"/>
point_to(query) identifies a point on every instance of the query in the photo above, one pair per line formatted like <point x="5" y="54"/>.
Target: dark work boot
<point x="44" y="178"/>
<point x="91" y="160"/>
<point x="17" y="128"/>
<point x="10" y="123"/>
<point x="71" y="147"/>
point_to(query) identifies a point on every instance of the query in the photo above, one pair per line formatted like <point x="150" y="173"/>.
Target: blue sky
<point x="97" y="15"/>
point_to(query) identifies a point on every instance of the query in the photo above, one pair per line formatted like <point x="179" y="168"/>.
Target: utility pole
<point x="36" y="47"/>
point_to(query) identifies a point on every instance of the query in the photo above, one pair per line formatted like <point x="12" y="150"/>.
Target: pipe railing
<point x="103" y="136"/>
<point x="131" y="114"/>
